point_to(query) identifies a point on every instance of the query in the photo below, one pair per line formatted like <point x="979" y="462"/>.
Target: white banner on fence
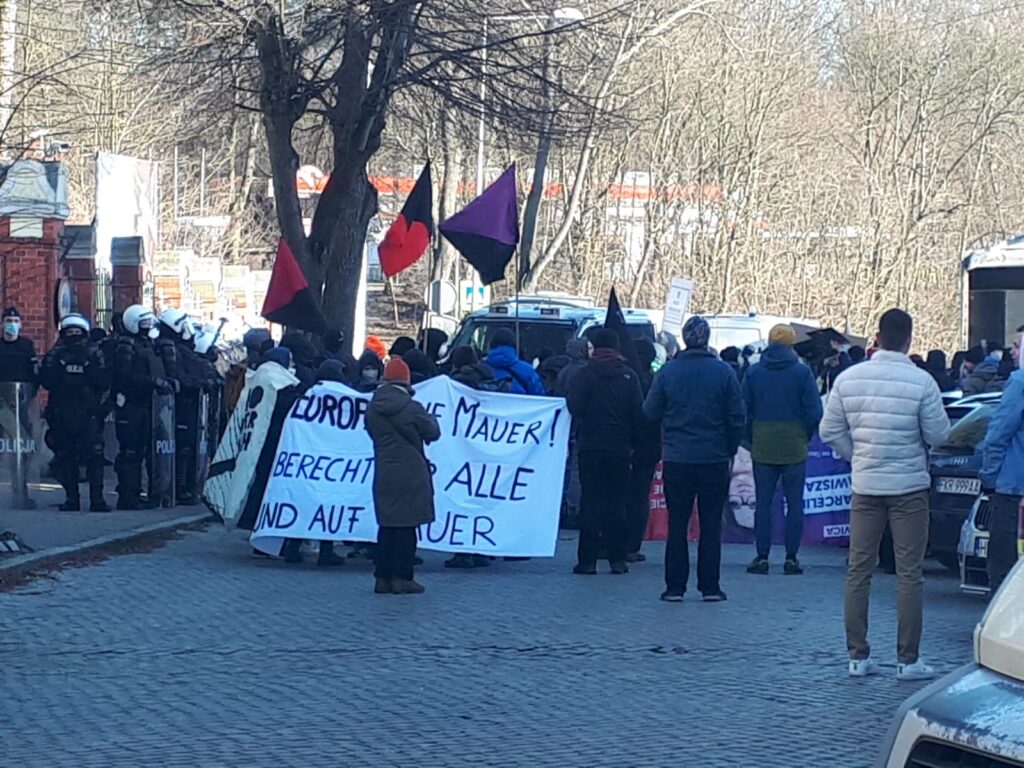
<point x="234" y="466"/>
<point x="498" y="471"/>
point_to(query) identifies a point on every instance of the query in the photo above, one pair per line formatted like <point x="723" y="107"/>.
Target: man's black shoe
<point x="636" y="557"/>
<point x="71" y="505"/>
<point x="619" y="568"/>
<point x="715" y="597"/>
<point x="759" y="566"/>
<point x="329" y="560"/>
<point x="459" y="561"/>
<point x="585" y="570"/>
<point x="792" y="567"/>
<point x="98" y="505"/>
<point x="672" y="596"/>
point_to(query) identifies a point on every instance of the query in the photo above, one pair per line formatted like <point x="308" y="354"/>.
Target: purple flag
<point x="486" y="232"/>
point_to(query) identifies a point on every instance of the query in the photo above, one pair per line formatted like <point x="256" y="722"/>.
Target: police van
<point x="545" y="321"/>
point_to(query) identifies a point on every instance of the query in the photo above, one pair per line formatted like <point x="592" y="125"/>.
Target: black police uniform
<point x="77" y="379"/>
<point x="138" y="373"/>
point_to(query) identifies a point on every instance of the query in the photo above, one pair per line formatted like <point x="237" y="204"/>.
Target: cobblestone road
<point x="198" y="654"/>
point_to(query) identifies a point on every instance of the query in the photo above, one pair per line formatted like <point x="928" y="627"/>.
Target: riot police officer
<point x="138" y="373"/>
<point x="176" y="347"/>
<point x="18" y="373"/>
<point x="76" y="377"/>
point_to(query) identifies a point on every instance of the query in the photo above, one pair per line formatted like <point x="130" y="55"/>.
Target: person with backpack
<point x="504" y="361"/>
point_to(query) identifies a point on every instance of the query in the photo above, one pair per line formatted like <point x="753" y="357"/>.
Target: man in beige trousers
<point x="882" y="416"/>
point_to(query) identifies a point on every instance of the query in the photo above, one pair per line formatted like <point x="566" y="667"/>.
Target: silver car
<point x="972" y="550"/>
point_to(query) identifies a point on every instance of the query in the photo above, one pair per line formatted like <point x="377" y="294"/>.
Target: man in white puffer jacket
<point x="882" y="416"/>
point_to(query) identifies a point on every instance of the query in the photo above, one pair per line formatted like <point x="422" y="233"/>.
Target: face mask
<point x="74" y="338"/>
<point x="12" y="328"/>
<point x="370" y="374"/>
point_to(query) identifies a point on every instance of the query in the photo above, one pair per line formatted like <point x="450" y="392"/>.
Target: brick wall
<point x="28" y="279"/>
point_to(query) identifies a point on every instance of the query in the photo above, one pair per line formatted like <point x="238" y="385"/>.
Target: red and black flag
<point x="410" y="235"/>
<point x="289" y="300"/>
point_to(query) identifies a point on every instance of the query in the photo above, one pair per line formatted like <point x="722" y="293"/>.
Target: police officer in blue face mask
<point x="76" y="377"/>
<point x="17" y="352"/>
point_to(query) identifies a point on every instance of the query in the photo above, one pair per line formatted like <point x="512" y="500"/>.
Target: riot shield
<point x="161" y="450"/>
<point x="19" y="445"/>
<point x="202" y="450"/>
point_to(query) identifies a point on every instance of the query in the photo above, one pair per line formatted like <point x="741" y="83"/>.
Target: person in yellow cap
<point x="403" y="491"/>
<point x="783" y="412"/>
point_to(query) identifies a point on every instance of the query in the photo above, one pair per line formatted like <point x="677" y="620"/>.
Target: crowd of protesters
<point x="882" y="412"/>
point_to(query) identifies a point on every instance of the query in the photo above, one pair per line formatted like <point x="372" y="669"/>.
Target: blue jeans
<point x="766" y="480"/>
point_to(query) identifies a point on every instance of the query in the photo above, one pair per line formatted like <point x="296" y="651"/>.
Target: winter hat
<point x="503" y="337"/>
<point x="696" y="333"/>
<point x="402" y="345"/>
<point x="605" y="338"/>
<point x="280" y="355"/>
<point x="397" y="370"/>
<point x="331" y="370"/>
<point x="975" y="355"/>
<point x="376" y="346"/>
<point x="463" y="356"/>
<point x="783" y="334"/>
<point x="419" y="364"/>
<point x="333" y="339"/>
<point x="11" y="312"/>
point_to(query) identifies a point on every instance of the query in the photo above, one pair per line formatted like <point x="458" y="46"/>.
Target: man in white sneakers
<point x="883" y="416"/>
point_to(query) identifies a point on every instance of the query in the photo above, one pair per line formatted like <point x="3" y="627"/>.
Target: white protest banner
<point x="676" y="304"/>
<point x="233" y="468"/>
<point x="498" y="470"/>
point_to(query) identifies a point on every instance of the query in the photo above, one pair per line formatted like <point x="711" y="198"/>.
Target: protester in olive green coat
<point x="403" y="490"/>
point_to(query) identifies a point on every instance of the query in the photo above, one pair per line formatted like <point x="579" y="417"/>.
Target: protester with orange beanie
<point x="403" y="490"/>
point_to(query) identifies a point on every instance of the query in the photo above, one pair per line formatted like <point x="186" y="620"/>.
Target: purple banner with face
<point x="826" y="502"/>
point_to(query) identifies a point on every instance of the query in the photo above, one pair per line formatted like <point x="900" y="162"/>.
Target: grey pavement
<point x="198" y="654"/>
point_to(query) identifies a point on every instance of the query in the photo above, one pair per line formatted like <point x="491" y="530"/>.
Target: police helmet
<point x="74" y="320"/>
<point x="204" y="341"/>
<point x="137" y="319"/>
<point x="177" y="320"/>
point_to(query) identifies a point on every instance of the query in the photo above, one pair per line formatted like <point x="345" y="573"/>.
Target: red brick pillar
<point x="28" y="274"/>
<point x="127" y="274"/>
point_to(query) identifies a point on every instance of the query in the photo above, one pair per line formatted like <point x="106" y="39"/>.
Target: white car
<point x="973" y="716"/>
<point x="972" y="550"/>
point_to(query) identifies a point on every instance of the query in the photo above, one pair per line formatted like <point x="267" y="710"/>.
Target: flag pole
<point x="517" y="301"/>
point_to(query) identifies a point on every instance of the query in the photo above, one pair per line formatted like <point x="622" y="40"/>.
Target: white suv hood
<point x="999" y="637"/>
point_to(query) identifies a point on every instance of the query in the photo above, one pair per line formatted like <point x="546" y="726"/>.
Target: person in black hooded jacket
<point x="645" y="459"/>
<point x="303" y="356"/>
<point x="607" y="409"/>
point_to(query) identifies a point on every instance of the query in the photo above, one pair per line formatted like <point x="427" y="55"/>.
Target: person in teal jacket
<point x="783" y="412"/>
<point x="1002" y="473"/>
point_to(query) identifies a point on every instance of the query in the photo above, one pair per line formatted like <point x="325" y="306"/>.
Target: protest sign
<point x="827" y="494"/>
<point x="677" y="303"/>
<point x="498" y="470"/>
<point x="234" y="466"/>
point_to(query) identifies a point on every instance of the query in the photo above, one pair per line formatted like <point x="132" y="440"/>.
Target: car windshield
<point x="970" y="431"/>
<point x="725" y="336"/>
<point x="534" y="336"/>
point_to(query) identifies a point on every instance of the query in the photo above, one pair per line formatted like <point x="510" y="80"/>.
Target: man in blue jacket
<point x="783" y="412"/>
<point x="505" y="362"/>
<point x="696" y="398"/>
<point x="1002" y="472"/>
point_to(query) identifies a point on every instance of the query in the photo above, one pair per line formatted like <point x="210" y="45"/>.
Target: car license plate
<point x="981" y="548"/>
<point x="967" y="486"/>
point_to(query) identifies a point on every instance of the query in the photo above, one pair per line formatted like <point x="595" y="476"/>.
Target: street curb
<point x="16" y="567"/>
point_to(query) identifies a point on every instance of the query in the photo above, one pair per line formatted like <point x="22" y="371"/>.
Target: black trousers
<point x="132" y="425"/>
<point x="76" y="444"/>
<point x="1002" y="542"/>
<point x="639" y="503"/>
<point x="396" y="550"/>
<point x="709" y="485"/>
<point x="605" y="477"/>
<point x="186" y="414"/>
